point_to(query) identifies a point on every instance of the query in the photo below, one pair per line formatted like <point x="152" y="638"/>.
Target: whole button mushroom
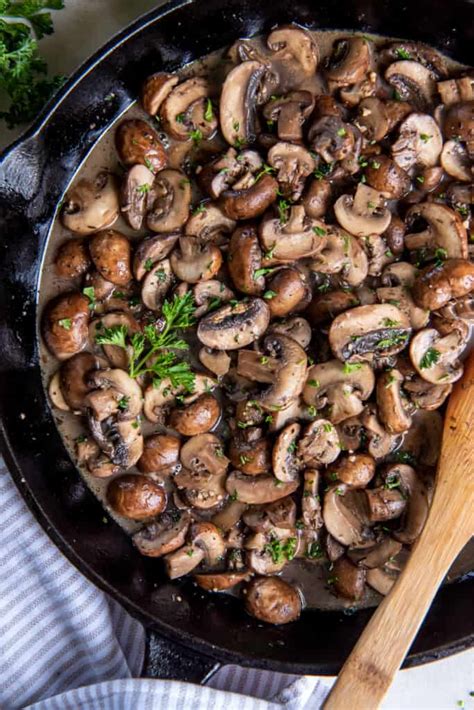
<point x="291" y="292"/>
<point x="160" y="454"/>
<point x="436" y="285"/>
<point x="272" y="600"/>
<point x="111" y="253"/>
<point x="139" y="143"/>
<point x="64" y="325"/>
<point x="355" y="470"/>
<point x="136" y="497"/>
<point x="196" y="418"/>
<point x="72" y="259"/>
<point x="349" y="580"/>
<point x="245" y="260"/>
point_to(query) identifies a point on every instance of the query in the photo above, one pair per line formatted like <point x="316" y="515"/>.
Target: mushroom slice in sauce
<point x="239" y="97"/>
<point x="444" y="231"/>
<point x="235" y="326"/>
<point x="392" y="403"/>
<point x="340" y="388"/>
<point x="363" y="214"/>
<point x="419" y="142"/>
<point x="285" y="464"/>
<point x="436" y="285"/>
<point x="319" y="443"/>
<point x="162" y="536"/>
<point x="436" y="357"/>
<point x="171" y="192"/>
<point x="91" y="204"/>
<point x="258" y="489"/>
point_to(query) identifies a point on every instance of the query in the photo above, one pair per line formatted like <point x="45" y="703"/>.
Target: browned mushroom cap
<point x="245" y="259"/>
<point x="233" y="327"/>
<point x="290" y="373"/>
<point x="122" y="388"/>
<point x="231" y="168"/>
<point x="296" y="328"/>
<point x="210" y="224"/>
<point x="135" y="194"/>
<point x="204" y="453"/>
<point x="205" y="543"/>
<point x="201" y="489"/>
<point x="263" y="518"/>
<point x="293" y="238"/>
<point x="137" y="142"/>
<point x="350" y="61"/>
<point x="272" y="600"/>
<point x="160" y="454"/>
<point x="164" y="535"/>
<point x="419" y="142"/>
<point x="258" y="489"/>
<point x="285" y="465"/>
<point x="326" y="306"/>
<point x="349" y="579"/>
<point x="110" y="252"/>
<point x="386" y="176"/>
<point x="91" y="204"/>
<point x="249" y="452"/>
<point x="413" y="82"/>
<point x="260" y="547"/>
<point x="74" y="379"/>
<point x="376" y="555"/>
<point x="366" y="332"/>
<point x="459" y="124"/>
<point x="293" y="164"/>
<point x="454" y="91"/>
<point x="194" y="261"/>
<point x="355" y="470"/>
<point x="372" y="119"/>
<point x="364" y="213"/>
<point x="319" y="443"/>
<point x="317" y="198"/>
<point x="55" y="394"/>
<point x="72" y="259"/>
<point x="384" y="503"/>
<point x="425" y="395"/>
<point x="415" y="491"/>
<point x="102" y="288"/>
<point x="239" y="97"/>
<point x="340" y="388"/>
<point x="136" y="497"/>
<point x="150" y="251"/>
<point x="455" y="161"/>
<point x="333" y="140"/>
<point x="198" y="417"/>
<point x="171" y="194"/>
<point x="293" y="42"/>
<point x="345" y="515"/>
<point x="228" y="517"/>
<point x="394" y="235"/>
<point x="436" y="358"/>
<point x="156" y="285"/>
<point x="64" y="325"/>
<point x="155" y="89"/>
<point x="289" y="292"/>
<point x="290" y="111"/>
<point x="188" y="108"/>
<point x="250" y="201"/>
<point x="436" y="285"/>
<point x="391" y="402"/>
<point x="444" y="230"/>
<point x="158" y="397"/>
<point x="220" y="581"/>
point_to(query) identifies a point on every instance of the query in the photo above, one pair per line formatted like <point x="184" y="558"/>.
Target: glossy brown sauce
<point x="309" y="576"/>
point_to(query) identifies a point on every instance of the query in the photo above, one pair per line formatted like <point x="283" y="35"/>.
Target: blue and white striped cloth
<point x="65" y="645"/>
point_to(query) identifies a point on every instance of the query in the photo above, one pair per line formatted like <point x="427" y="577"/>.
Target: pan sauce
<point x="309" y="576"/>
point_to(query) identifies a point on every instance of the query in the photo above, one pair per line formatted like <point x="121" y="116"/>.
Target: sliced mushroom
<point x="249" y="201"/>
<point x="319" y="443"/>
<point x="135" y="194"/>
<point x="150" y="251"/>
<point x="204" y="453"/>
<point x="317" y="198"/>
<point x="453" y="91"/>
<point x="64" y="325"/>
<point x="56" y="395"/>
<point x="332" y="141"/>
<point x="194" y="261"/>
<point x="346" y="522"/>
<point x="289" y="290"/>
<point x="384" y="504"/>
<point x="293" y="164"/>
<point x="185" y="110"/>
<point x="157" y="398"/>
<point x="233" y="327"/>
<point x="239" y="97"/>
<point x="281" y="514"/>
<point x="138" y="143"/>
<point x="292" y="239"/>
<point x="232" y="168"/>
<point x="201" y="489"/>
<point x="284" y="462"/>
<point x="217" y="361"/>
<point x="363" y="214"/>
<point x="209" y="295"/>
<point x="258" y="489"/>
<point x="413" y="82"/>
<point x="355" y="470"/>
<point x="437" y="285"/>
<point x="381" y="580"/>
<point x="290" y="112"/>
<point x="91" y="204"/>
<point x="183" y="560"/>
<point x="74" y="380"/>
<point x="369" y="331"/>
<point x="419" y="142"/>
<point x="376" y="555"/>
<point x="373" y="119"/>
<point x="325" y="307"/>
<point x="272" y="600"/>
<point x="444" y="230"/>
<point x="340" y="388"/>
<point x="390" y="402"/>
<point x="459" y="124"/>
<point x="111" y="254"/>
<point x="455" y="161"/>
<point x="436" y="358"/>
<point x="381" y="442"/>
<point x="228" y="517"/>
<point x="296" y="43"/>
<point x="136" y="497"/>
<point x="250" y="452"/>
<point x="290" y="374"/>
<point x="210" y="224"/>
<point x="349" y="580"/>
<point x="425" y="395"/>
<point x="155" y="89"/>
<point x="245" y="260"/>
<point x="460" y="308"/>
<point x="311" y="513"/>
<point x="160" y="454"/>
<point x="296" y="328"/>
<point x="156" y="285"/>
<point x="171" y="194"/>
<point x="72" y="259"/>
<point x="350" y="61"/>
<point x="402" y="298"/>
<point x="268" y="553"/>
<point x="220" y="581"/>
<point x="162" y="536"/>
<point x="417" y="505"/>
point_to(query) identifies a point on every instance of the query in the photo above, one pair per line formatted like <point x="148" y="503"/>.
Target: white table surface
<point x="81" y="29"/>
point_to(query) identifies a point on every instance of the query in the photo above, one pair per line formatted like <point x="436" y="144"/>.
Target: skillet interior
<point x="32" y="178"/>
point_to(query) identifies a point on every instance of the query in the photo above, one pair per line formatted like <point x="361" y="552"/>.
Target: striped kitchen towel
<point x="65" y="645"/>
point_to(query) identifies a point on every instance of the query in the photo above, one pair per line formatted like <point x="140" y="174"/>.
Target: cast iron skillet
<point x="187" y="638"/>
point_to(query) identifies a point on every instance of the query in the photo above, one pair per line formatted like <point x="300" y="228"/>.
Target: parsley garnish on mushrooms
<point x="283" y="207"/>
<point x="279" y="550"/>
<point x="115" y="335"/>
<point x="143" y="189"/>
<point x="351" y="367"/>
<point x="402" y="53"/>
<point x="65" y="323"/>
<point x="208" y="113"/>
<point x="89" y="292"/>
<point x="430" y="358"/>
<point x="268" y="295"/>
<point x="314" y="551"/>
<point x="262" y="272"/>
<point x="319" y="231"/>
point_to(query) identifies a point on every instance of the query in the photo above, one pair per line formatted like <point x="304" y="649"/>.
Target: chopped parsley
<point x="319" y="231"/>
<point x="351" y="367"/>
<point x="89" y="292"/>
<point x="283" y="206"/>
<point x="268" y="295"/>
<point x="65" y="323"/>
<point x="314" y="383"/>
<point x="208" y="113"/>
<point x="143" y="189"/>
<point x="148" y="265"/>
<point x="314" y="551"/>
<point x="430" y="358"/>
<point x="280" y="550"/>
<point x="402" y="53"/>
<point x="262" y="272"/>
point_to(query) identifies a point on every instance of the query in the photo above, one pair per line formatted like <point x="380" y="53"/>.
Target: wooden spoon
<point x="378" y="654"/>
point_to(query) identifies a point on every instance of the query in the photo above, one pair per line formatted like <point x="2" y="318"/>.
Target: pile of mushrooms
<point x="324" y="236"/>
